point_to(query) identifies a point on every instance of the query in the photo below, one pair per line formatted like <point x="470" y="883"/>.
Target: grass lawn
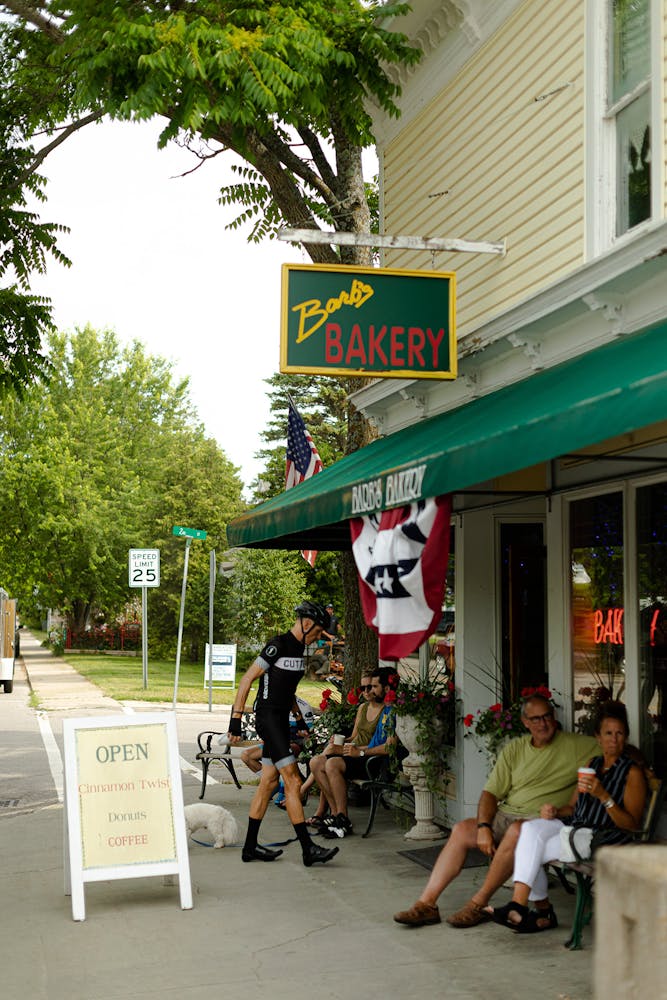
<point x="121" y="678"/>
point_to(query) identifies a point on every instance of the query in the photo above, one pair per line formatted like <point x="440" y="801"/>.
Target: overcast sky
<point x="151" y="260"/>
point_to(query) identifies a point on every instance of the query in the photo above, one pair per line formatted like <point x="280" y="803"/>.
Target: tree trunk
<point x="361" y="641"/>
<point x="361" y="644"/>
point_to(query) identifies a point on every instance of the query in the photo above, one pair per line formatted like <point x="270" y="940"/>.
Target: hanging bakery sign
<point x="377" y="322"/>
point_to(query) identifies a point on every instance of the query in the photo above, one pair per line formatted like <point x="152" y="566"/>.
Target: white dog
<point x="216" y="819"/>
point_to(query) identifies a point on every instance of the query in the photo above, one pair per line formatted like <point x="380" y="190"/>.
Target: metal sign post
<point x="211" y="595"/>
<point x="188" y="534"/>
<point x="144" y="572"/>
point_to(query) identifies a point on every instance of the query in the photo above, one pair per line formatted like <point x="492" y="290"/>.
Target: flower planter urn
<point x="413" y="768"/>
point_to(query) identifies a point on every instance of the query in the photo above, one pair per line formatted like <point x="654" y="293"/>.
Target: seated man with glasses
<point x="530" y="770"/>
<point x="372" y="736"/>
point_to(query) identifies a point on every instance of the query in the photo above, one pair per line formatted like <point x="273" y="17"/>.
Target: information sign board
<point x="124" y="803"/>
<point x="221" y="665"/>
<point x="144" y="568"/>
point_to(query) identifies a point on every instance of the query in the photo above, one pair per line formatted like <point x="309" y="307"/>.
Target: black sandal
<point x="531" y="923"/>
<point x="501" y="915"/>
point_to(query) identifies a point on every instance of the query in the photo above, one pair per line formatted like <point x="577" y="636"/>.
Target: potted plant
<point x="337" y="717"/>
<point x="425" y="710"/>
<point x="492" y="727"/>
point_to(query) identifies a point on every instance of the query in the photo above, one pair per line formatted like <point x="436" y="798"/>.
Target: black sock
<point x="301" y="831"/>
<point x="252" y="834"/>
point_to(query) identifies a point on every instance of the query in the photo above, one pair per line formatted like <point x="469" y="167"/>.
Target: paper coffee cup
<point x="339" y="739"/>
<point x="583" y="775"/>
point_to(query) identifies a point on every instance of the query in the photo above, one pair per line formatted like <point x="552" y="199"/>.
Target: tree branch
<point x="66" y="132"/>
<point x="30" y="13"/>
<point x="319" y="158"/>
<point x="297" y="166"/>
<point x="286" y="193"/>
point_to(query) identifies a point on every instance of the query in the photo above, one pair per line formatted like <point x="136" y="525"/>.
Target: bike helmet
<point x="316" y="613"/>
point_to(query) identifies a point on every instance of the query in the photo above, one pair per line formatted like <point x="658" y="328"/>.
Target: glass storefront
<point x="597" y="602"/>
<point x="652" y="593"/>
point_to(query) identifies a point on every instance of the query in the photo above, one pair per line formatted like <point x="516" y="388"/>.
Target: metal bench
<point x="584" y="871"/>
<point x="213" y="752"/>
<point x="385" y="786"/>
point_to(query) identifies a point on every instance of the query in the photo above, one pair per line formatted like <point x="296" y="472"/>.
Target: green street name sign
<point x="188" y="532"/>
<point x="354" y="321"/>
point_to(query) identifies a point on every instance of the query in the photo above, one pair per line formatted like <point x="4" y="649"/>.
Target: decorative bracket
<point x="531" y="348"/>
<point x="611" y="307"/>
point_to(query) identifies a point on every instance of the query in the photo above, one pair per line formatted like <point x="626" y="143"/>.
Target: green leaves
<point x="107" y="458"/>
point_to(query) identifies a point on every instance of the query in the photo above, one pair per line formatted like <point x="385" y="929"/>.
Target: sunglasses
<point x="366" y="687"/>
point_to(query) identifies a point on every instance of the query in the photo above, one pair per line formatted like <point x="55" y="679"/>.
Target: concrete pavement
<point x="256" y="931"/>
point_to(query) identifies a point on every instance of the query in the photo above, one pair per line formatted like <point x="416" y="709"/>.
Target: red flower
<point x="496" y="708"/>
<point x="450" y="685"/>
<point x="393" y="680"/>
<point x="420" y="695"/>
<point x="468" y="720"/>
<point x="352" y="698"/>
<point x="327" y="693"/>
<point x="324" y="704"/>
<point x="390" y="697"/>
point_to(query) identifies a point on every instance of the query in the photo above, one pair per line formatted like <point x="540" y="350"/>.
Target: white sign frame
<point x="221" y="665"/>
<point x="146" y="563"/>
<point x="76" y="874"/>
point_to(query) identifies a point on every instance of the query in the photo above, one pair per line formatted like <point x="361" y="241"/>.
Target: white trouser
<point x="539" y="843"/>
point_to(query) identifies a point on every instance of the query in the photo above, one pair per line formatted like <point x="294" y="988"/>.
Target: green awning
<point x="604" y="393"/>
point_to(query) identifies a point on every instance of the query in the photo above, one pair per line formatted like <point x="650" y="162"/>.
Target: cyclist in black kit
<point x="279" y="668"/>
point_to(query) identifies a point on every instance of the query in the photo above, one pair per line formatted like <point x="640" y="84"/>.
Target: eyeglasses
<point x="540" y="718"/>
<point x="366" y="687"/>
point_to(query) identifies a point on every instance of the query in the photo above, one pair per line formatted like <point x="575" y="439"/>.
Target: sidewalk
<point x="257" y="931"/>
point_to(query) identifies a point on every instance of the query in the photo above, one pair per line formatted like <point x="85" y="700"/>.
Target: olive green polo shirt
<point x="525" y="777"/>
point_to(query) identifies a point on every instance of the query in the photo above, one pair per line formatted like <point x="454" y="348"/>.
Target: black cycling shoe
<point x="259" y="854"/>
<point x="318" y="855"/>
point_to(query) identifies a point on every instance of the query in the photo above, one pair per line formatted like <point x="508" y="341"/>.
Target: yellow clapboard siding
<point x="513" y="166"/>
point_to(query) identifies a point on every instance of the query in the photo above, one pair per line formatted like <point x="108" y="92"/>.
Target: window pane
<point x="652" y="583"/>
<point x="633" y="137"/>
<point x="630" y="46"/>
<point x="598" y="650"/>
<point x="523" y="608"/>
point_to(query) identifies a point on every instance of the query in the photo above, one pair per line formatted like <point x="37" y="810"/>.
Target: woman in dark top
<point x="610" y="800"/>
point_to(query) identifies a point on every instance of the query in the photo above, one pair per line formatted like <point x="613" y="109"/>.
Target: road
<point x="31" y="744"/>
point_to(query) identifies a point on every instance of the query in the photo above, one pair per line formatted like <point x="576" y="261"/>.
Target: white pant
<point x="539" y="843"/>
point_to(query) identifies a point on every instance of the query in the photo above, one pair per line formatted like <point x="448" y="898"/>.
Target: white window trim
<point x="600" y="133"/>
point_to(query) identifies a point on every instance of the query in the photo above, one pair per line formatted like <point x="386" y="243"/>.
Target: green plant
<point x="492" y="727"/>
<point x="608" y="684"/>
<point x="431" y="702"/>
<point x="337" y="717"/>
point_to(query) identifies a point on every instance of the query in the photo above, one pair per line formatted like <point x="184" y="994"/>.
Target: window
<point x="623" y="120"/>
<point x="597" y="603"/>
<point x="629" y="107"/>
<point x="652" y="587"/>
<point x="523" y="607"/>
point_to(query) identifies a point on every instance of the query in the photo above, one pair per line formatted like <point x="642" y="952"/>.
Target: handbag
<point x="579" y="843"/>
<point x="576" y="843"/>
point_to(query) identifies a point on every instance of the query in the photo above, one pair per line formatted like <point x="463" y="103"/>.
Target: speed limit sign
<point x="144" y="567"/>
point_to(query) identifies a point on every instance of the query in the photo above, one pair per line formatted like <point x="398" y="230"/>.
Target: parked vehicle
<point x="9" y="641"/>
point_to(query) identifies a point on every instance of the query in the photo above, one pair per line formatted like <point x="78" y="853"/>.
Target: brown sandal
<point x="468" y="916"/>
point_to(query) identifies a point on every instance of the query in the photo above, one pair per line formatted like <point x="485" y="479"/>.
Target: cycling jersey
<point x="282" y="661"/>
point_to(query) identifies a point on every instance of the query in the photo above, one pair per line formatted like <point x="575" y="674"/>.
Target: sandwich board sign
<point x="123" y="803"/>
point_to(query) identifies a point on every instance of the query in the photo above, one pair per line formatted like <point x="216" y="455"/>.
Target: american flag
<point x="302" y="460"/>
